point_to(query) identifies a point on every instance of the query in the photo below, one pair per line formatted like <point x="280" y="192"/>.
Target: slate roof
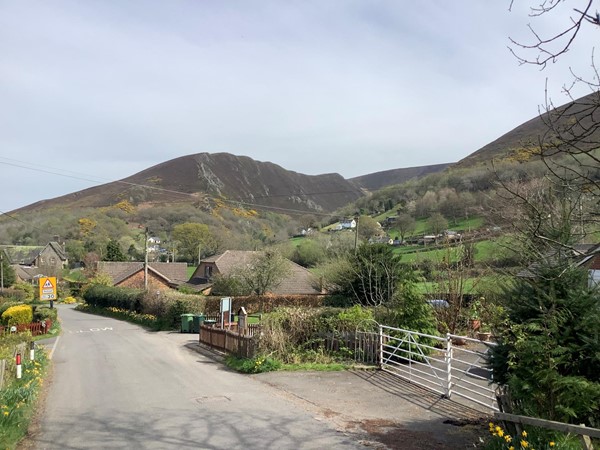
<point x="26" y="254"/>
<point x="22" y="254"/>
<point x="300" y="281"/>
<point x="173" y="273"/>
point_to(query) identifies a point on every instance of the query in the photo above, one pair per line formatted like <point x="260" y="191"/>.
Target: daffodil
<point x="524" y="444"/>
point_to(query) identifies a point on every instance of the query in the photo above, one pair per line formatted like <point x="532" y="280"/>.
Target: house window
<point x="594" y="280"/>
<point x="52" y="260"/>
<point x="207" y="271"/>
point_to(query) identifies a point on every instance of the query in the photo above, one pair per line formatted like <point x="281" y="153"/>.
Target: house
<point x="31" y="262"/>
<point x="348" y="224"/>
<point x="585" y="256"/>
<point x="299" y="282"/>
<point x="161" y="276"/>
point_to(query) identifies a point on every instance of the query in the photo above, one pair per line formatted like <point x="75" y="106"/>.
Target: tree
<point x="367" y="227"/>
<point x="569" y="147"/>
<point x="8" y="273"/>
<point x="370" y="276"/>
<point x="264" y="272"/>
<point x="194" y="240"/>
<point x="406" y="224"/>
<point x="114" y="252"/>
<point x="437" y="223"/>
<point x="308" y="253"/>
<point x="547" y="352"/>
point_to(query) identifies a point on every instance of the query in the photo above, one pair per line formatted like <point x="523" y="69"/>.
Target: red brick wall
<point x="137" y="281"/>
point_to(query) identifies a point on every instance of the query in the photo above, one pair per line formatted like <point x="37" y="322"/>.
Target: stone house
<point x="31" y="262"/>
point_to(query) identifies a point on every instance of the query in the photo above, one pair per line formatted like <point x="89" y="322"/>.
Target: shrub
<point x="106" y="296"/>
<point x="43" y="313"/>
<point x="17" y="315"/>
<point x="26" y="291"/>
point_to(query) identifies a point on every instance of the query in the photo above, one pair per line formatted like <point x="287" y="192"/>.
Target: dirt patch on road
<point x="382" y="412"/>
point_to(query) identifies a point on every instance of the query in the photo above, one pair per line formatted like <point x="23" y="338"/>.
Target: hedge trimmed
<point x="255" y="304"/>
<point x="17" y="315"/>
<point x="107" y="296"/>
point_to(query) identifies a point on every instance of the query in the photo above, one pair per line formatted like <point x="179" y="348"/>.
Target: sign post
<point x="47" y="289"/>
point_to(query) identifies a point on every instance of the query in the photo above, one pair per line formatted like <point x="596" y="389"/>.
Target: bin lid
<point x="187" y="315"/>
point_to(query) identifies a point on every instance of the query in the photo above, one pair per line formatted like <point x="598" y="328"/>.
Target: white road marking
<point x="92" y="330"/>
<point x="53" y="347"/>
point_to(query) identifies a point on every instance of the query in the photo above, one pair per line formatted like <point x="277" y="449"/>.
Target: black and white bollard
<point x="31" y="351"/>
<point x="18" y="361"/>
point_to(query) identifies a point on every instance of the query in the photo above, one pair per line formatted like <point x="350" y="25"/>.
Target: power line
<point x="55" y="171"/>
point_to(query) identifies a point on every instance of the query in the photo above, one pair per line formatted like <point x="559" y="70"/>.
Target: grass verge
<point x="18" y="400"/>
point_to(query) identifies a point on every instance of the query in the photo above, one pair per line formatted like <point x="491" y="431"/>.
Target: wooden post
<point x="242" y="321"/>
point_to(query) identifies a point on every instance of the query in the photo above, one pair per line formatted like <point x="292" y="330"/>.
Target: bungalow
<point x="161" y="276"/>
<point x="299" y="282"/>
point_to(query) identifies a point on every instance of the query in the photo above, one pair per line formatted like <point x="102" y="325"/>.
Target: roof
<point x="174" y="273"/>
<point x="26" y="254"/>
<point x="22" y="254"/>
<point x="579" y="255"/>
<point x="300" y="281"/>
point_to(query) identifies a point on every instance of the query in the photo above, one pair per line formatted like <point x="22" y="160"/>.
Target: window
<point x="208" y="271"/>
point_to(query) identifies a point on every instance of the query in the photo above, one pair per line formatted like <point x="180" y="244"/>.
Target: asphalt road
<point x="115" y="385"/>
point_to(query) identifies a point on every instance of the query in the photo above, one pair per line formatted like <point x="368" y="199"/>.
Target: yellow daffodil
<point x="552" y="443"/>
<point x="524" y="444"/>
<point x="524" y="433"/>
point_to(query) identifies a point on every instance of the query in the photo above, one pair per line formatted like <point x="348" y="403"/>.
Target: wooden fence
<point x="581" y="430"/>
<point x="229" y="341"/>
<point x="36" y="328"/>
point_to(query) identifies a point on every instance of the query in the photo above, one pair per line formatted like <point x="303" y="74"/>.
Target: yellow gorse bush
<point x="17" y="315"/>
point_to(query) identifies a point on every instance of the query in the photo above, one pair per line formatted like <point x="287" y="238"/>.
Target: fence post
<point x="2" y="369"/>
<point x="380" y="346"/>
<point x="448" y="361"/>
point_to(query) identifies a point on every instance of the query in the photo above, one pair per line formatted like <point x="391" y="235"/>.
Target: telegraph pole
<point x="1" y="271"/>
<point x="356" y="236"/>
<point x="146" y="259"/>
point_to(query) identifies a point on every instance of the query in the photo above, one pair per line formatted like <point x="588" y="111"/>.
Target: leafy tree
<point x="405" y="223"/>
<point x="194" y="240"/>
<point x="437" y="223"/>
<point x="229" y="285"/>
<point x="370" y="275"/>
<point x="367" y="227"/>
<point x="114" y="252"/>
<point x="264" y="272"/>
<point x="308" y="253"/>
<point x="9" y="276"/>
<point x="75" y="249"/>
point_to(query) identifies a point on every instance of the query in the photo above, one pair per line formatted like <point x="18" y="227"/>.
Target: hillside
<point x="197" y="178"/>
<point x="521" y="143"/>
<point x="378" y="180"/>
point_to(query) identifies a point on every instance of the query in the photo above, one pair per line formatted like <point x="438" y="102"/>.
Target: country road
<point x="116" y="385"/>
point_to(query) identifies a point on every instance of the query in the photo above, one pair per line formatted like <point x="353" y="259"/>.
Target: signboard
<point x="47" y="288"/>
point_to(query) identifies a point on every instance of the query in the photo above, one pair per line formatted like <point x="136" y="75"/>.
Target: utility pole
<point x="1" y="271"/>
<point x="199" y="253"/>
<point x="146" y="259"/>
<point x="356" y="236"/>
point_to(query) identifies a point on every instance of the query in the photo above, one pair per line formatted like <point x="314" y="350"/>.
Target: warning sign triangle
<point x="48" y="284"/>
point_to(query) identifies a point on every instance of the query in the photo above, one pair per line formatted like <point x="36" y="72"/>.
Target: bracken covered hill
<point x="378" y="180"/>
<point x="200" y="177"/>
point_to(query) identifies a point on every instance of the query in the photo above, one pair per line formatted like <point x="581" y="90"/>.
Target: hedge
<point x="254" y="304"/>
<point x="107" y="296"/>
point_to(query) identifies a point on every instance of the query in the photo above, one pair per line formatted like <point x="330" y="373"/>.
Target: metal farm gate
<point x="439" y="364"/>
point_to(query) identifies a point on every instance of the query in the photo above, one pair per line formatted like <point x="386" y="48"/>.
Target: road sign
<point x="47" y="288"/>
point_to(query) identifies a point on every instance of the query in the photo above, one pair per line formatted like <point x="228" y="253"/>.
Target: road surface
<point x="116" y="385"/>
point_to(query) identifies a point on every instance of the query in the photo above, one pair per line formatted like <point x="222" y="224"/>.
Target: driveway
<point x="116" y="385"/>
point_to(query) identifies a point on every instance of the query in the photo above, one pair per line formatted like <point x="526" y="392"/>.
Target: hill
<point x="523" y="142"/>
<point x="204" y="176"/>
<point x="378" y="180"/>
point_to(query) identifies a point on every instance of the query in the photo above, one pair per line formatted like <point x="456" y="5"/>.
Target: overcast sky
<point x="95" y="91"/>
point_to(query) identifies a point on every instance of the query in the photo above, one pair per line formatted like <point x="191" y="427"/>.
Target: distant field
<point x="485" y="251"/>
